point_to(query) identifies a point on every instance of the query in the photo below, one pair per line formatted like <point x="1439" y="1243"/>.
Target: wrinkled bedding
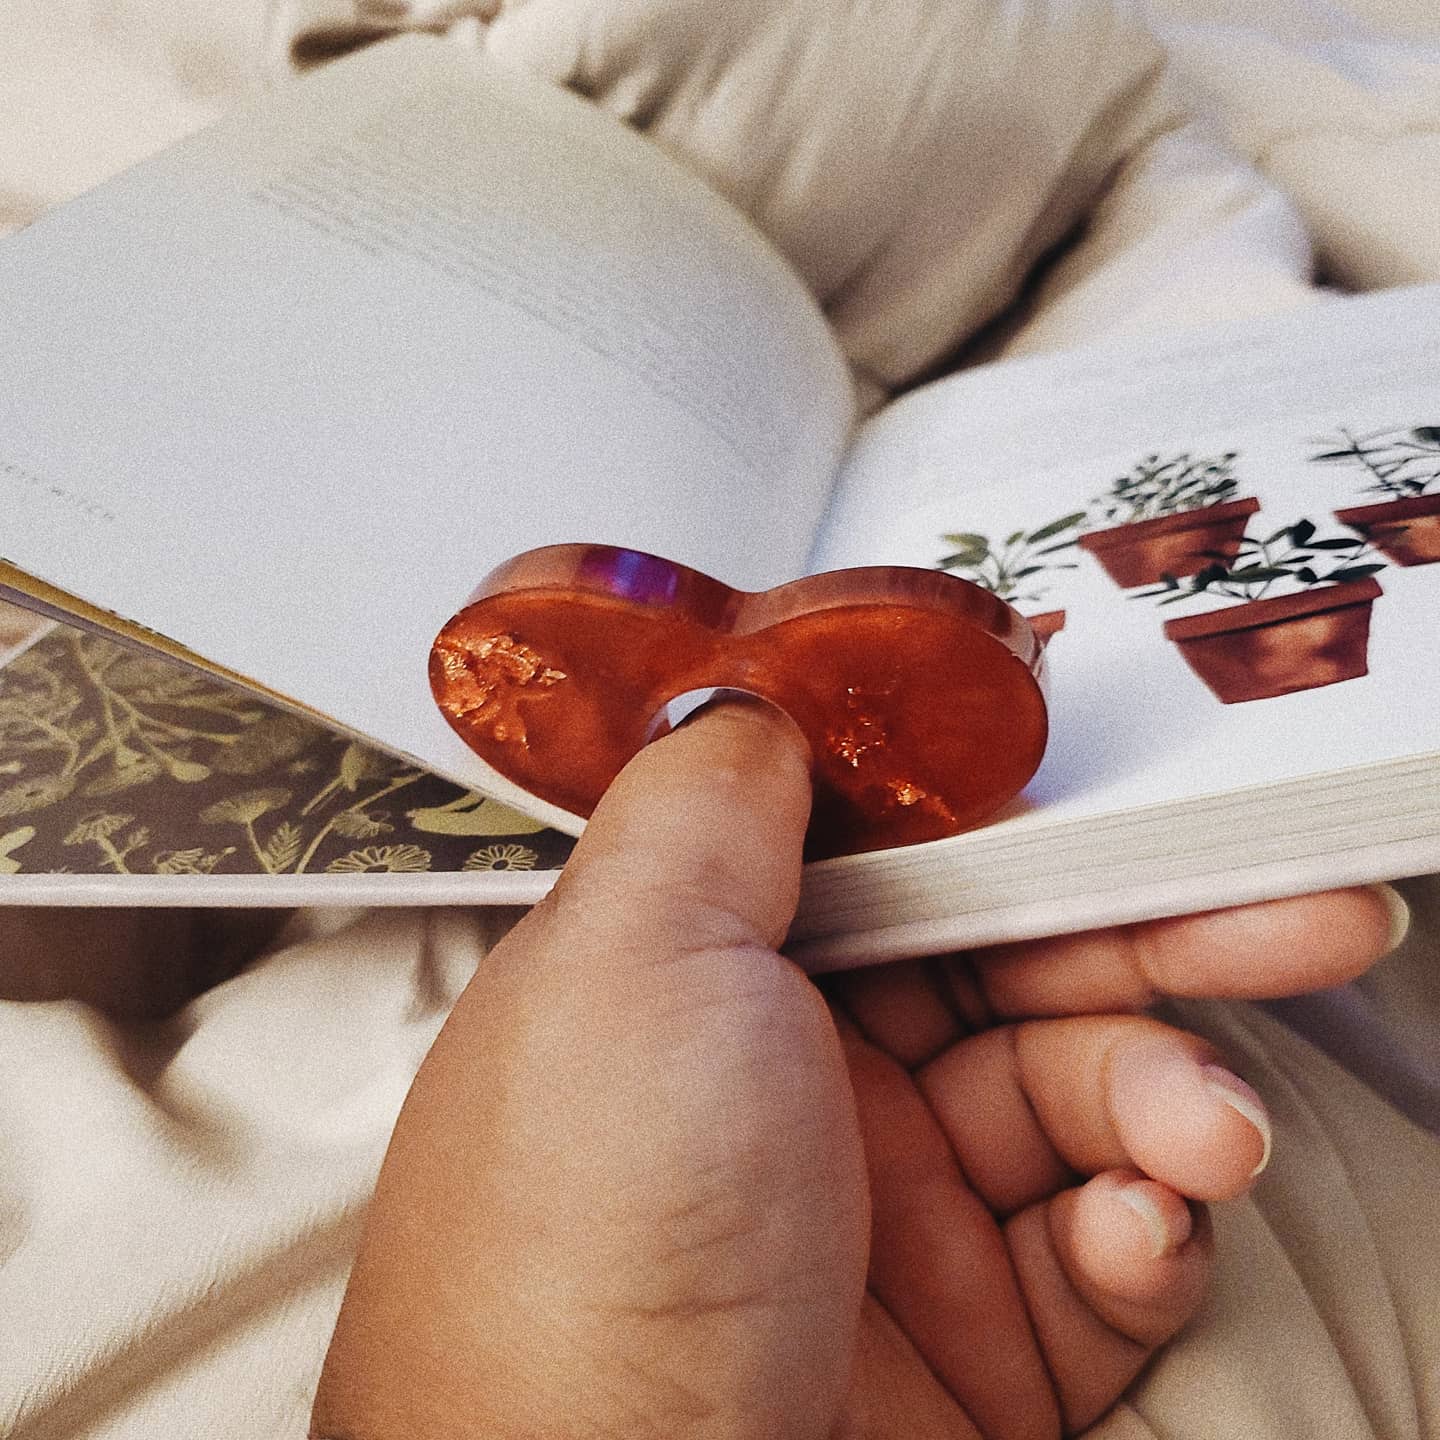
<point x="180" y="1188"/>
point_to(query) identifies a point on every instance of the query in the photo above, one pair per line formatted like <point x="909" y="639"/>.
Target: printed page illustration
<point x="1222" y="606"/>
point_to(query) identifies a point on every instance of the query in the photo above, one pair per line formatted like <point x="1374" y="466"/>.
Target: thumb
<point x="632" y="1150"/>
<point x="697" y="844"/>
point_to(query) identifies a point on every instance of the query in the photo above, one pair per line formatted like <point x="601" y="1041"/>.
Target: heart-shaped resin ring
<point x="921" y="695"/>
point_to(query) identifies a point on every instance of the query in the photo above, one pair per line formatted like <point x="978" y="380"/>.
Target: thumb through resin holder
<point x="921" y="694"/>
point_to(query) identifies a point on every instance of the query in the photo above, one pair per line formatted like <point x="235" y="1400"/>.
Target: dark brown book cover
<point x="115" y="761"/>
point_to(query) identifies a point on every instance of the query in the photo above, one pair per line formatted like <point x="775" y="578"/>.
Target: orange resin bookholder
<point x="921" y="695"/>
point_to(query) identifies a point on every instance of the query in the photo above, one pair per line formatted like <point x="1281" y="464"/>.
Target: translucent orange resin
<point x="921" y="695"/>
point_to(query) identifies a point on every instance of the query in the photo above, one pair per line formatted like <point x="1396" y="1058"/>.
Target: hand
<point x="648" y="1183"/>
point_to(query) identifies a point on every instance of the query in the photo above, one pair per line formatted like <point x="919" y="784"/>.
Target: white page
<point x="286" y="393"/>
<point x="1011" y="446"/>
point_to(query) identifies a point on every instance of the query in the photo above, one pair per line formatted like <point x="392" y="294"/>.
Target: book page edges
<point x="986" y="888"/>
<point x="281" y="892"/>
<point x="1068" y="915"/>
<point x="1117" y="905"/>
<point x="1351" y="827"/>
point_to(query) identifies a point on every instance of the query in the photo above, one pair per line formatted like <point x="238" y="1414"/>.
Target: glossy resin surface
<point x="921" y="695"/>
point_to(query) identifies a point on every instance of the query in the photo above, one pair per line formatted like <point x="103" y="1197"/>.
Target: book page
<point x="286" y="393"/>
<point x="1043" y="472"/>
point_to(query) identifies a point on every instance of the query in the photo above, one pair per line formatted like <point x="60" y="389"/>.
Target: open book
<point x="280" y="397"/>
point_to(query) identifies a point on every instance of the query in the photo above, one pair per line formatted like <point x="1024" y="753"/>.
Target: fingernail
<point x="687" y="708"/>
<point x="1235" y="1093"/>
<point x="1166" y="1232"/>
<point x="1398" y="909"/>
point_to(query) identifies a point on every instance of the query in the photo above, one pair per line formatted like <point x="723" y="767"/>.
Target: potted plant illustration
<point x="1012" y="569"/>
<point x="1167" y="517"/>
<point x="1404" y="467"/>
<point x="1316" y="632"/>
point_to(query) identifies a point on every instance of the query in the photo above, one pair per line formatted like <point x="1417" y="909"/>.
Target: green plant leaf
<point x="1353" y="572"/>
<point x="1332" y="544"/>
<point x="1056" y="527"/>
<point x="1300" y="532"/>
<point x="1254" y="574"/>
<point x="968" y="541"/>
<point x="1209" y="576"/>
<point x="1015" y="538"/>
<point x="1430" y="434"/>
<point x="1332" y="456"/>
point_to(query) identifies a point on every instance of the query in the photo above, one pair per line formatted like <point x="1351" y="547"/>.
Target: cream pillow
<point x="913" y="160"/>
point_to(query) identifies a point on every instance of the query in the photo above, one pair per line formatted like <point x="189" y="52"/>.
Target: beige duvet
<point x="178" y="1200"/>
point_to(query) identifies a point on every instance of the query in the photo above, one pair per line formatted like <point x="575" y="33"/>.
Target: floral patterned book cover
<point x="118" y="762"/>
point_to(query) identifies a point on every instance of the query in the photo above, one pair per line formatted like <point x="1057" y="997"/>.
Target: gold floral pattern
<point x="35" y="793"/>
<point x="401" y="858"/>
<point x="245" y="808"/>
<point x="194" y="861"/>
<point x="502" y="857"/>
<point x="99" y="830"/>
<point x="118" y="761"/>
<point x="96" y="828"/>
<point x="271" y="740"/>
<point x="357" y="825"/>
<point x="9" y="844"/>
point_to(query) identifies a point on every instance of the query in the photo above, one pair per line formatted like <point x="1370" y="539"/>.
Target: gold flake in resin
<point x="487" y="677"/>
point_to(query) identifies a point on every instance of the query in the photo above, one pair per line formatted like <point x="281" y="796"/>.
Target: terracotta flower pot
<point x="1047" y="624"/>
<point x="1145" y="551"/>
<point x="1274" y="647"/>
<point x="1405" y="531"/>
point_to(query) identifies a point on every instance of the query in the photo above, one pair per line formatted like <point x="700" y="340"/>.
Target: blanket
<point x="193" y="1108"/>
